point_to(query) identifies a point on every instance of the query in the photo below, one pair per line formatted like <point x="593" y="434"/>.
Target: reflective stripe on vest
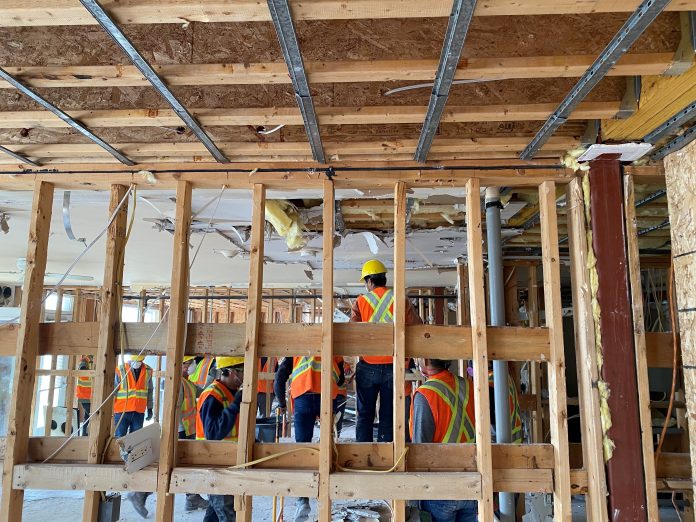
<point x="132" y="394"/>
<point x="222" y="394"/>
<point x="200" y="375"/>
<point x="188" y="407"/>
<point x="83" y="387"/>
<point x="514" y="405"/>
<point x="456" y="400"/>
<point x="381" y="307"/>
<point x="306" y="376"/>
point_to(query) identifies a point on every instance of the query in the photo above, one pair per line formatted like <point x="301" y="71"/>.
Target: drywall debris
<point x="286" y="220"/>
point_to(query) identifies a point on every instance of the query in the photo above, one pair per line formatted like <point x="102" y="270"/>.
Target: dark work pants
<point x="85" y="405"/>
<point x="306" y="409"/>
<point x="371" y="381"/>
<point x="220" y="509"/>
<point x="132" y="421"/>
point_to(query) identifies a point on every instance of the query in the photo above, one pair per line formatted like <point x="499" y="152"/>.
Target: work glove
<point x="149" y="414"/>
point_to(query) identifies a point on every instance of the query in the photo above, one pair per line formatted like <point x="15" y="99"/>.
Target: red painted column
<point x="625" y="478"/>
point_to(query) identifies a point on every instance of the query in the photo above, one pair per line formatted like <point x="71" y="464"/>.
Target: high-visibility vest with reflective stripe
<point x="83" y="387"/>
<point x="188" y="407"/>
<point x="200" y="376"/>
<point x="222" y="394"/>
<point x="451" y="405"/>
<point x="515" y="416"/>
<point x="377" y="306"/>
<point x="264" y="386"/>
<point x="132" y="394"/>
<point x="306" y="376"/>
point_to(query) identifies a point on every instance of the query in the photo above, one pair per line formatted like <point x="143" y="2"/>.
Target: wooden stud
<point x="477" y="306"/>
<point x="326" y="433"/>
<point x="205" y="316"/>
<point x="77" y="316"/>
<point x="399" y="420"/>
<point x="54" y="359"/>
<point x="105" y="358"/>
<point x="558" y="411"/>
<point x="158" y="368"/>
<point x="247" y="422"/>
<point x="586" y="353"/>
<point x="537" y="370"/>
<point x="19" y="420"/>
<point x="176" y="341"/>
<point x="636" y="290"/>
<point x="463" y="317"/>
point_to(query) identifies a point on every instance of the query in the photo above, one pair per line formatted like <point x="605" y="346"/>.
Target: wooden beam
<point x="247" y="422"/>
<point x="376" y="115"/>
<point x="105" y="358"/>
<point x="636" y="291"/>
<point x="407" y="486"/>
<point x="558" y="412"/>
<point x="103" y="477"/>
<point x="27" y="349"/>
<point x="326" y="436"/>
<point x="176" y="342"/>
<point x="249" y="481"/>
<point x="479" y="342"/>
<point x="15" y="13"/>
<point x="500" y="68"/>
<point x="586" y="354"/>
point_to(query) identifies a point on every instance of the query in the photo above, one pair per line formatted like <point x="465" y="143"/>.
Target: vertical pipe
<point x="496" y="296"/>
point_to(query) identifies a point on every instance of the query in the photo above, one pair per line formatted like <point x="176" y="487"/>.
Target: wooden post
<point x="206" y="311"/>
<point x="537" y="369"/>
<point x="105" y="358"/>
<point x="463" y="317"/>
<point x="586" y="354"/>
<point x="558" y="411"/>
<point x="176" y="343"/>
<point x="54" y="359"/>
<point x="326" y="432"/>
<point x="17" y="440"/>
<point x="247" y="422"/>
<point x="158" y="380"/>
<point x="77" y="316"/>
<point x="680" y="174"/>
<point x="142" y="306"/>
<point x="512" y="309"/>
<point x="37" y="381"/>
<point x="228" y="306"/>
<point x="477" y="306"/>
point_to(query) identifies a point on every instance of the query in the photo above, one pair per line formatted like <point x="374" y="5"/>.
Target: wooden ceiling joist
<point x="333" y="72"/>
<point x="18" y="13"/>
<point x="292" y="116"/>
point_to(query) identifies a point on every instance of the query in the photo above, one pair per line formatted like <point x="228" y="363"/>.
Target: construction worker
<point x="305" y="391"/>
<point x="264" y="387"/>
<point x="443" y="411"/>
<point x="218" y="419"/>
<point x="133" y="398"/>
<point x="374" y="375"/>
<point x="515" y="416"/>
<point x="203" y="373"/>
<point x="83" y="392"/>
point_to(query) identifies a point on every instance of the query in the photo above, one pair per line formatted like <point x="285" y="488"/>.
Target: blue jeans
<point x="132" y="421"/>
<point x="306" y="409"/>
<point x="372" y="380"/>
<point x="450" y="510"/>
<point x="220" y="509"/>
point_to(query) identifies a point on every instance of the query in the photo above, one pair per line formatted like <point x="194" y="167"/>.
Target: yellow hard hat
<point x="137" y="358"/>
<point x="372" y="267"/>
<point x="226" y="362"/>
<point x="188" y="358"/>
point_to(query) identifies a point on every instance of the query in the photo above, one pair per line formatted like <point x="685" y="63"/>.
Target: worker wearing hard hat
<point x="83" y="392"/>
<point x="374" y="375"/>
<point x="218" y="419"/>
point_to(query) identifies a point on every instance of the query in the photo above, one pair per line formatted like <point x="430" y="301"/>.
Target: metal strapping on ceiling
<point x="619" y="45"/>
<point x="676" y="144"/>
<point x="458" y="26"/>
<point x="285" y="28"/>
<point x="672" y="125"/>
<point x="19" y="157"/>
<point x="63" y="116"/>
<point x="146" y="69"/>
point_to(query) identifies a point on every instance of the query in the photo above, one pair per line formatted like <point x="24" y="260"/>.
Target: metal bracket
<point x="591" y="133"/>
<point x="631" y="98"/>
<point x="684" y="55"/>
<point x="67" y="225"/>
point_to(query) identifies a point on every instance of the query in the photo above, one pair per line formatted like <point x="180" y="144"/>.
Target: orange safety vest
<point x="451" y="405"/>
<point x="377" y="307"/>
<point x="83" y="387"/>
<point x="200" y="375"/>
<point x="515" y="416"/>
<point x="188" y="408"/>
<point x="132" y="394"/>
<point x="263" y="385"/>
<point x="306" y="376"/>
<point x="224" y="395"/>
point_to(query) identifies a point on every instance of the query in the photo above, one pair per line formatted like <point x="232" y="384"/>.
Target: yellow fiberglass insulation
<point x="570" y="160"/>
<point x="285" y="219"/>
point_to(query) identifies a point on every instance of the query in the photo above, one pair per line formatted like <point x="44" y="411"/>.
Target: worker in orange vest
<point x="443" y="412"/>
<point x="218" y="419"/>
<point x="83" y="392"/>
<point x="203" y="373"/>
<point x="374" y="375"/>
<point x="305" y="391"/>
<point x="264" y="387"/>
<point x="188" y="411"/>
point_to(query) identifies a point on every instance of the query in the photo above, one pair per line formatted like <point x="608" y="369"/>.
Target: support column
<point x="17" y="441"/>
<point x="57" y="316"/>
<point x="625" y="477"/>
<point x="680" y="173"/>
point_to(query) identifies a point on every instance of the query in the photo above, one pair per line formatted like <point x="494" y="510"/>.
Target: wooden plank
<point x="97" y="477"/>
<point x="479" y="342"/>
<point x="58" y="314"/>
<point x="105" y="358"/>
<point x="27" y="349"/>
<point x="407" y="486"/>
<point x="558" y="411"/>
<point x="640" y="348"/>
<point x="249" y="481"/>
<point x="176" y="341"/>
<point x="15" y="13"/>
<point x="498" y="68"/>
<point x="247" y="422"/>
<point x="78" y="315"/>
<point x="586" y="354"/>
<point x="399" y="342"/>
<point x="537" y="370"/>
